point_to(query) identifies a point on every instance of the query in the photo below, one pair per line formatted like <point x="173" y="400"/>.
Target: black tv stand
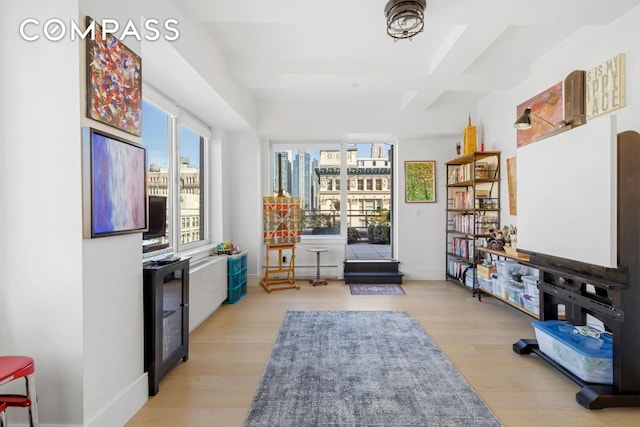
<point x="616" y="299"/>
<point x="591" y="396"/>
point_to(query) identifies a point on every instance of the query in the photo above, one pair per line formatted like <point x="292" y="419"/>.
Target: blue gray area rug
<point x="361" y="368"/>
<point x="361" y="289"/>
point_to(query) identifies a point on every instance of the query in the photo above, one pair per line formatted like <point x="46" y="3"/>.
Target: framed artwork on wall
<point x="420" y="181"/>
<point x="114" y="82"/>
<point x="547" y="108"/>
<point x="113" y="184"/>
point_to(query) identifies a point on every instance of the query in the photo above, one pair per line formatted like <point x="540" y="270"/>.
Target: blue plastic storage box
<point x="587" y="357"/>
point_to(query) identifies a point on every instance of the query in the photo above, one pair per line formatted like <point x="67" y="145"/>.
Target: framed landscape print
<point x="420" y="181"/>
<point x="114" y="82"/>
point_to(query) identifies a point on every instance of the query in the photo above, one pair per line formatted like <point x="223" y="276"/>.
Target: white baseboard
<point x="123" y="407"/>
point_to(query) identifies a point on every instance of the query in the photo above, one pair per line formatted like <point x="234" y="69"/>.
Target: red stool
<point x="12" y="368"/>
<point x="3" y="417"/>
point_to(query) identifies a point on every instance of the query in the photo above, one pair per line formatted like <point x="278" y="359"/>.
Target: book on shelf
<point x="461" y="173"/>
<point x="461" y="200"/>
<point x="457" y="268"/>
<point x="472" y="224"/>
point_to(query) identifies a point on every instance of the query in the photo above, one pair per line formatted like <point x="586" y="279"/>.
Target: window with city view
<point x="157" y="128"/>
<point x="155" y="136"/>
<point x="313" y="175"/>
<point x="191" y="186"/>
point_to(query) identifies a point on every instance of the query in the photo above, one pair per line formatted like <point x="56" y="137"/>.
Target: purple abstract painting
<point x="118" y="186"/>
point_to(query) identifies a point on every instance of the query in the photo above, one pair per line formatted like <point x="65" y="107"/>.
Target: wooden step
<point x="371" y="266"/>
<point x="373" y="278"/>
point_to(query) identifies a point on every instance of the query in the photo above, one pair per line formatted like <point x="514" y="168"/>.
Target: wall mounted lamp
<point x="405" y="18"/>
<point x="524" y="121"/>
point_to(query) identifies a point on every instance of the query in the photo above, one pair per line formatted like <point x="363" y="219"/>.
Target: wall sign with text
<point x="605" y="87"/>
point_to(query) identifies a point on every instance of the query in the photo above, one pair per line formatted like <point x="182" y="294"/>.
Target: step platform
<point x="375" y="272"/>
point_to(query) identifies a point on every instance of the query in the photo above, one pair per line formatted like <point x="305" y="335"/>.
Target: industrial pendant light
<point x="405" y="18"/>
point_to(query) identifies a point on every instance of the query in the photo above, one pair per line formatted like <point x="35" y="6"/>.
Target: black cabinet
<point x="166" y="318"/>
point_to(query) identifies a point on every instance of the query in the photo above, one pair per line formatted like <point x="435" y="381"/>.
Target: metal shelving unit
<point x="473" y="207"/>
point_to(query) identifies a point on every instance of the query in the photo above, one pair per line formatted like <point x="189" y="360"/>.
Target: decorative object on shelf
<point x="495" y="244"/>
<point x="405" y="18"/>
<point x="458" y="148"/>
<point x="114" y="82"/>
<point x="420" y="181"/>
<point x="606" y="87"/>
<point x="470" y="138"/>
<point x="113" y="185"/>
<point x="227" y="248"/>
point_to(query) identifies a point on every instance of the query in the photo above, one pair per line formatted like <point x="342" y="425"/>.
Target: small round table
<point x="317" y="280"/>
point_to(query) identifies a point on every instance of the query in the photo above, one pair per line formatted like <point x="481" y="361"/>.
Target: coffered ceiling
<point x="337" y="52"/>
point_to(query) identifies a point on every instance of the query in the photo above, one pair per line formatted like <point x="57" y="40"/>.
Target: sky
<point x="155" y="129"/>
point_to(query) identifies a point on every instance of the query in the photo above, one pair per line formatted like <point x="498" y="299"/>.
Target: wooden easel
<point x="289" y="281"/>
<point x="278" y="283"/>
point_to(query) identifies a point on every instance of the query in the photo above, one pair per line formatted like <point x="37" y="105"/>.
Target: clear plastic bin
<point x="530" y="285"/>
<point x="507" y="267"/>
<point x="587" y="357"/>
<point x="531" y="302"/>
<point x="500" y="284"/>
<point x="515" y="290"/>
<point x="485" y="284"/>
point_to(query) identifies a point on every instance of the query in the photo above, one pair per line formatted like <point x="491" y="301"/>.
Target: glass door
<point x="369" y="201"/>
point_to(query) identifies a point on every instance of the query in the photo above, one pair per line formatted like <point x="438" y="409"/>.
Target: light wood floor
<point x="228" y="353"/>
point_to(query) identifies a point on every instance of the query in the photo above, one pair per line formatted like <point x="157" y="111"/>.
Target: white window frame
<point x="177" y="117"/>
<point x="187" y="120"/>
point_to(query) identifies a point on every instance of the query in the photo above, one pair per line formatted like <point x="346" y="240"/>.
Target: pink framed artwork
<point x="547" y="108"/>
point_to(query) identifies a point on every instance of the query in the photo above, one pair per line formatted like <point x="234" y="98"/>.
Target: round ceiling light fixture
<point x="405" y="18"/>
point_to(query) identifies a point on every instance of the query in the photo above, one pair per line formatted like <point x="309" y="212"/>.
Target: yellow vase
<point x="470" y="138"/>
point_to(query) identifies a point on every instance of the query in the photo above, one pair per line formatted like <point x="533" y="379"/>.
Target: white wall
<point x="243" y="171"/>
<point x="74" y="305"/>
<point x="584" y="50"/>
<point x="41" y="287"/>
<point x="421" y="226"/>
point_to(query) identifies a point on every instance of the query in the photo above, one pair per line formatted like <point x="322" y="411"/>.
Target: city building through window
<point x="313" y="174"/>
<point x="178" y="179"/>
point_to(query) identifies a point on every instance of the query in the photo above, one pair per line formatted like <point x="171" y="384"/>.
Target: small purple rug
<point x="359" y="289"/>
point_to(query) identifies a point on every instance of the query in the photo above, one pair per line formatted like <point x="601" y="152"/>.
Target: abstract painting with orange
<point x="547" y="108"/>
<point x="281" y="220"/>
